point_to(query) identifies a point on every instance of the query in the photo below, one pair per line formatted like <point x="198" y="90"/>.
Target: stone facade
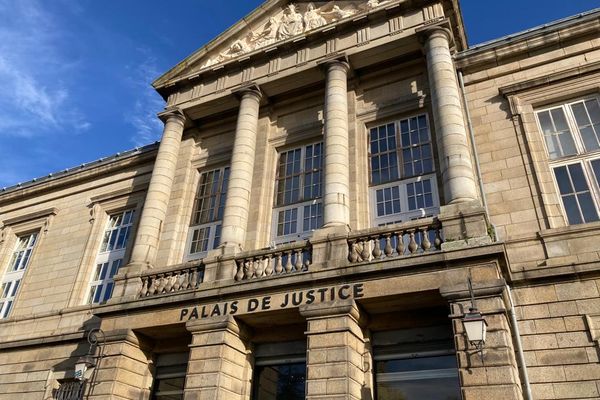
<point x="244" y="273"/>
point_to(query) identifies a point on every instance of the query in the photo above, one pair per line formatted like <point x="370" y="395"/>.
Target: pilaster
<point x="336" y="344"/>
<point x="495" y="373"/>
<point x="124" y="370"/>
<point x="219" y="367"/>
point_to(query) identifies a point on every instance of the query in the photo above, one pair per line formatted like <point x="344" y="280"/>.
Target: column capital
<point x="172" y="114"/>
<point x="441" y="29"/>
<point x="339" y="63"/>
<point x="252" y="90"/>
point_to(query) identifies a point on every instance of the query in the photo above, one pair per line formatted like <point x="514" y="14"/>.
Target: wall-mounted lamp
<point x="86" y="367"/>
<point x="474" y="324"/>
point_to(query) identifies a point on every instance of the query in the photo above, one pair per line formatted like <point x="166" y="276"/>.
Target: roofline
<point x="530" y="33"/>
<point x="79" y="169"/>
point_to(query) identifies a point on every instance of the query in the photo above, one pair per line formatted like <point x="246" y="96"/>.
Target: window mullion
<point x="574" y="127"/>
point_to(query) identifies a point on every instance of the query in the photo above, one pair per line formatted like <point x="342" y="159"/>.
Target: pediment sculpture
<point x="290" y="23"/>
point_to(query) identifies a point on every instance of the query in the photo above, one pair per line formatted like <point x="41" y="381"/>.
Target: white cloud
<point x="147" y="127"/>
<point x="35" y="99"/>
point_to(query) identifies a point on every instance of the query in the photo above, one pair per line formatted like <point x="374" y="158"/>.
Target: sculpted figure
<point x="238" y="48"/>
<point x="268" y="34"/>
<point x="313" y="18"/>
<point x="291" y="23"/>
<point x="337" y="13"/>
<point x="375" y="3"/>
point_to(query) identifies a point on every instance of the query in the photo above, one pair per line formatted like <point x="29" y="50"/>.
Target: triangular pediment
<point x="274" y="22"/>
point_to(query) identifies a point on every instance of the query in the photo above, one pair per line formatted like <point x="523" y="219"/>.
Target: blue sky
<point x="75" y="74"/>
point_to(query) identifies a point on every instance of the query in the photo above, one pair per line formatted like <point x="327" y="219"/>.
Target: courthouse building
<point x="340" y="189"/>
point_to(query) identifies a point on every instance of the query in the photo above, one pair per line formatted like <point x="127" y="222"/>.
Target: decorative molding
<point x="396" y="25"/>
<point x="549" y="79"/>
<point x="50" y="212"/>
<point x="363" y="36"/>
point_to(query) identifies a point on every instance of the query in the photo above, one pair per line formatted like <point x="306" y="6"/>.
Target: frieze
<point x="291" y="299"/>
<point x="293" y="21"/>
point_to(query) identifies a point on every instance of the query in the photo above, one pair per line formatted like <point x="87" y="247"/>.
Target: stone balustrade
<point x="287" y="259"/>
<point x="176" y="279"/>
<point x="414" y="237"/>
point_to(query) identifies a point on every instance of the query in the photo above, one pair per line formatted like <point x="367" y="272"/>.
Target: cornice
<point x="525" y="42"/>
<point x="76" y="175"/>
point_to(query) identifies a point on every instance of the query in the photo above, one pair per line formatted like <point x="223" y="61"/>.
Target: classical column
<point x="335" y="348"/>
<point x="237" y="204"/>
<point x="337" y="159"/>
<point x="159" y="191"/>
<point x="455" y="153"/>
<point x="219" y="367"/>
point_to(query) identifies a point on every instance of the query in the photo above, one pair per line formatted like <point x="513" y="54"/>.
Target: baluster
<point x="169" y="282"/>
<point x="155" y="286"/>
<point x="299" y="263"/>
<point x="259" y="267"/>
<point x="308" y="260"/>
<point x="144" y="289"/>
<point x="425" y="243"/>
<point x="177" y="283"/>
<point x="251" y="268"/>
<point x="162" y="283"/>
<point x="246" y="267"/>
<point x="438" y="239"/>
<point x="195" y="278"/>
<point x="185" y="282"/>
<point x="412" y="244"/>
<point x="288" y="264"/>
<point x="278" y="265"/>
<point x="377" y="249"/>
<point x="269" y="266"/>
<point x="388" y="250"/>
<point x="400" y="243"/>
<point x="240" y="271"/>
<point x="352" y="253"/>
<point x="365" y="254"/>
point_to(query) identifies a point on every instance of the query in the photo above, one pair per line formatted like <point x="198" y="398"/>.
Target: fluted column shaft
<point x="455" y="154"/>
<point x="237" y="204"/>
<point x="159" y="191"/>
<point x="337" y="157"/>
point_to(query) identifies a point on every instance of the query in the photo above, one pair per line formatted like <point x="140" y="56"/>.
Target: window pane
<point x="563" y="181"/>
<point x="577" y="177"/>
<point x="596" y="168"/>
<point x="280" y="382"/>
<point x="587" y="116"/>
<point x="587" y="207"/>
<point x="425" y="378"/>
<point x="557" y="133"/>
<point x="575" y="193"/>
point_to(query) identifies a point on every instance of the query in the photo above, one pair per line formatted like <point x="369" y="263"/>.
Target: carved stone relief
<point x="292" y="22"/>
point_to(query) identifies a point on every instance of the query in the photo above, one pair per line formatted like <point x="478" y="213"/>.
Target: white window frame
<point x="212" y="226"/>
<point x="405" y="214"/>
<point x="582" y="157"/>
<point x="109" y="260"/>
<point x="402" y="183"/>
<point x="300" y="233"/>
<point x="11" y="282"/>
